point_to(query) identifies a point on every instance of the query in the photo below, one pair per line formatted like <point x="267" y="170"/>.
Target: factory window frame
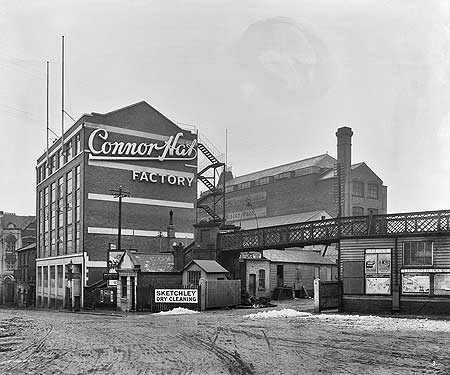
<point x="69" y="151"/>
<point x="358" y="189"/>
<point x="229" y="189"/>
<point x="372" y="191"/>
<point x="246" y="185"/>
<point x="193" y="277"/>
<point x="77" y="144"/>
<point x="45" y="275"/>
<point x="262" y="279"/>
<point x="282" y="175"/>
<point x="357" y="211"/>
<point x="264" y="180"/>
<point x="418" y="253"/>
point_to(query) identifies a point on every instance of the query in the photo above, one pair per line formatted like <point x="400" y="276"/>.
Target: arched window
<point x="262" y="279"/>
<point x="10" y="241"/>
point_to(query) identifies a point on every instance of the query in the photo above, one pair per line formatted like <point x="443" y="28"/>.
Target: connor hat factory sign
<point x="174" y="148"/>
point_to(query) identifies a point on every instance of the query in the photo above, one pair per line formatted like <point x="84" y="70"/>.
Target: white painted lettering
<point x="153" y="177"/>
<point x="171" y="149"/>
<point x="189" y="180"/>
<point x="172" y="180"/>
<point x="135" y="175"/>
<point x="144" y="177"/>
<point x="181" y="180"/>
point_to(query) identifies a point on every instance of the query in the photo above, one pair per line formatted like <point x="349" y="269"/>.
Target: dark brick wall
<point x="367" y="306"/>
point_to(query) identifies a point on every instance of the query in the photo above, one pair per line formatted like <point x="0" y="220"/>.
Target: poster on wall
<point x="371" y="263"/>
<point x="415" y="283"/>
<point x="384" y="263"/>
<point x="378" y="285"/>
<point x="442" y="284"/>
<point x="113" y="262"/>
<point x="377" y="266"/>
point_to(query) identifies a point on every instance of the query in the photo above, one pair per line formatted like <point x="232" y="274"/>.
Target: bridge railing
<point x="331" y="230"/>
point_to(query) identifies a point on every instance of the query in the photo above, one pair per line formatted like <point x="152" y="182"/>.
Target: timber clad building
<point x="410" y="274"/>
<point x="135" y="147"/>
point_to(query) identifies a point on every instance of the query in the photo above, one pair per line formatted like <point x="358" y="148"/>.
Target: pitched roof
<point x="209" y="266"/>
<point x="322" y="161"/>
<point x="20" y="222"/>
<point x="153" y="262"/>
<point x="330" y="173"/>
<point x="296" y="256"/>
<point x="284" y="219"/>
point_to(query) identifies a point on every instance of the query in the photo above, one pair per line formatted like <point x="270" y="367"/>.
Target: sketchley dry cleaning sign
<point x="176" y="295"/>
<point x="173" y="148"/>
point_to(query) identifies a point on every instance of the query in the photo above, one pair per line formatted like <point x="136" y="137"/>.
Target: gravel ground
<point x="221" y="342"/>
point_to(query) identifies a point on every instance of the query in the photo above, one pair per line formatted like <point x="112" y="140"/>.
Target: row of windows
<point x="56" y="277"/>
<point x="359" y="190"/>
<point x="358" y="186"/>
<point x="58" y="159"/>
<point x="56" y="216"/>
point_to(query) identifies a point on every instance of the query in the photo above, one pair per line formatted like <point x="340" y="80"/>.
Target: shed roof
<point x="153" y="262"/>
<point x="209" y="266"/>
<point x="296" y="256"/>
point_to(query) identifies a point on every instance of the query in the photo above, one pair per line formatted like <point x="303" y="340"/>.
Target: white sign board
<point x="176" y="295"/>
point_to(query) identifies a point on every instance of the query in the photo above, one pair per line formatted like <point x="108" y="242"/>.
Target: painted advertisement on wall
<point x="378" y="285"/>
<point x="415" y="283"/>
<point x="377" y="266"/>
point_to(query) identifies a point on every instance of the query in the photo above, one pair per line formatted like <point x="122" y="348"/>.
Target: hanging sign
<point x="174" y="148"/>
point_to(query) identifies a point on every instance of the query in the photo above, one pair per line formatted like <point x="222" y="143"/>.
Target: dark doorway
<point x="280" y="275"/>
<point x="252" y="284"/>
<point x="9" y="295"/>
<point x="133" y="294"/>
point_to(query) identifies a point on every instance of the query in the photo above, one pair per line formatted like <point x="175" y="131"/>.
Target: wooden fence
<point x="146" y="300"/>
<point x="326" y="295"/>
<point x="219" y="293"/>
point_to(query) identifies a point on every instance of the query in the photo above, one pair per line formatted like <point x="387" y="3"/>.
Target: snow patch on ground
<point x="285" y="313"/>
<point x="368" y="322"/>
<point x="177" y="311"/>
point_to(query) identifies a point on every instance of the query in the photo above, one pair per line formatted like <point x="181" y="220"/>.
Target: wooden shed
<point x="202" y="268"/>
<point x="292" y="269"/>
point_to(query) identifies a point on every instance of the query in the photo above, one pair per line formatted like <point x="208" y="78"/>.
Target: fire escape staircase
<point x="209" y="200"/>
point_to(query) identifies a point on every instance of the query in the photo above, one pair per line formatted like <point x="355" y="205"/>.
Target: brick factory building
<point x="303" y="190"/>
<point x="135" y="147"/>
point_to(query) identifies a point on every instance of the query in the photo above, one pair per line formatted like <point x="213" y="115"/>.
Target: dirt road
<point x="220" y="342"/>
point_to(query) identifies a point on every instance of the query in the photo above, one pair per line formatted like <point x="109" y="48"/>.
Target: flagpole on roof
<point x="62" y="99"/>
<point x="47" y="119"/>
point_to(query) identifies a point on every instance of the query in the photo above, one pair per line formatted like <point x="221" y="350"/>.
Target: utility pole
<point x="119" y="193"/>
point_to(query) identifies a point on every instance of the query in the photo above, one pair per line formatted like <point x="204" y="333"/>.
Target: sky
<point x="280" y="76"/>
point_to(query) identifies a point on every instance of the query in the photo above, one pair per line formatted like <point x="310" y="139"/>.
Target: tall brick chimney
<point x="344" y="158"/>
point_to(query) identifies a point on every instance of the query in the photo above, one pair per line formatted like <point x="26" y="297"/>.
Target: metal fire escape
<point x="211" y="201"/>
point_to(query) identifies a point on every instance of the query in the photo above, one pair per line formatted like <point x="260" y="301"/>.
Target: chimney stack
<point x="170" y="230"/>
<point x="344" y="158"/>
